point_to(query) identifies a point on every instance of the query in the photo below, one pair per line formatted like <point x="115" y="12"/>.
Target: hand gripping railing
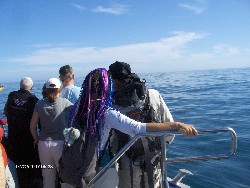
<point x="164" y="144"/>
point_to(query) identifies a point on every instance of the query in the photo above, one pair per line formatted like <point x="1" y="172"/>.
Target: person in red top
<point x="9" y="168"/>
<point x="3" y="157"/>
<point x="2" y="123"/>
<point x="10" y="172"/>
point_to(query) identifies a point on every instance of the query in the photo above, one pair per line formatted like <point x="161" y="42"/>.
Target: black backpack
<point x="78" y="164"/>
<point x="133" y="100"/>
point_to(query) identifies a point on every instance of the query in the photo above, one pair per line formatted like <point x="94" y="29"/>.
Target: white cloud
<point x="172" y="53"/>
<point x="225" y="50"/>
<point x="77" y="6"/>
<point x="166" y="49"/>
<point x="115" y="9"/>
<point x="181" y="38"/>
<point x="195" y="9"/>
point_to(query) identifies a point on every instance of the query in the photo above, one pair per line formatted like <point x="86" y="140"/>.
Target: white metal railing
<point x="166" y="139"/>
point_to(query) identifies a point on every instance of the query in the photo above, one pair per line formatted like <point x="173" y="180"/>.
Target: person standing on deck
<point x="52" y="112"/>
<point x="2" y="170"/>
<point x="9" y="167"/>
<point x="20" y="150"/>
<point x="69" y="90"/>
<point x="154" y="110"/>
<point x="94" y="116"/>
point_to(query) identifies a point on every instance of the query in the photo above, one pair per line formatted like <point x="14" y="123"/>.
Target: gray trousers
<point x="125" y="178"/>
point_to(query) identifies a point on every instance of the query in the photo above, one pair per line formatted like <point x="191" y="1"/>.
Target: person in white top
<point x="69" y="90"/>
<point x="94" y="115"/>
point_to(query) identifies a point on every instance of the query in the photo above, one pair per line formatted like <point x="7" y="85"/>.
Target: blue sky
<point x="37" y="37"/>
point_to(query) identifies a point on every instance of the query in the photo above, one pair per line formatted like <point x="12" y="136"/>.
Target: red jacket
<point x="5" y="158"/>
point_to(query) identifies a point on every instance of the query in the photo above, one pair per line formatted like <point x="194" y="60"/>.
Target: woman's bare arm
<point x="185" y="129"/>
<point x="33" y="123"/>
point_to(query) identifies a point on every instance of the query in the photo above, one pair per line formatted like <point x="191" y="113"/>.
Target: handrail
<point x="231" y="152"/>
<point x="171" y="160"/>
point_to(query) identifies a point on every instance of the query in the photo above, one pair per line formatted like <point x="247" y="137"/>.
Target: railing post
<point x="166" y="139"/>
<point x="164" y="183"/>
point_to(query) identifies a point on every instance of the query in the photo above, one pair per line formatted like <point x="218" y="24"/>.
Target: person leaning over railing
<point x="140" y="165"/>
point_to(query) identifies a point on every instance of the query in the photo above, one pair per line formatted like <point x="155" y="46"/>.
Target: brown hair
<point x="52" y="93"/>
<point x="66" y="73"/>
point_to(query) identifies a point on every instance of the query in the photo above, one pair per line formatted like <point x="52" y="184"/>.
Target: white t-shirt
<point x="117" y="120"/>
<point x="161" y="111"/>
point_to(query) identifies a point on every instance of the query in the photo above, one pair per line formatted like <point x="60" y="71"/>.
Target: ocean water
<point x="209" y="99"/>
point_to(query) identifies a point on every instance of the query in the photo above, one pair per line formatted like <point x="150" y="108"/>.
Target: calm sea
<point x="209" y="99"/>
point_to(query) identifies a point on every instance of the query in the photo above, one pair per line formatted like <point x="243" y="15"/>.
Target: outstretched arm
<point x="185" y="129"/>
<point x="131" y="127"/>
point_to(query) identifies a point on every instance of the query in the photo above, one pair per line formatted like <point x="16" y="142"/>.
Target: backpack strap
<point x="90" y="166"/>
<point x="149" y="165"/>
<point x="145" y="110"/>
<point x="107" y="145"/>
<point x="131" y="172"/>
<point x="142" y="177"/>
<point x="148" y="111"/>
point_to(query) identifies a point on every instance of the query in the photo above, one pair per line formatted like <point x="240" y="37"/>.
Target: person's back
<point x="69" y="90"/>
<point x="71" y="93"/>
<point x="52" y="112"/>
<point x="20" y="148"/>
<point x="53" y="117"/>
<point x="94" y="117"/>
<point x="153" y="109"/>
<point x="19" y="109"/>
